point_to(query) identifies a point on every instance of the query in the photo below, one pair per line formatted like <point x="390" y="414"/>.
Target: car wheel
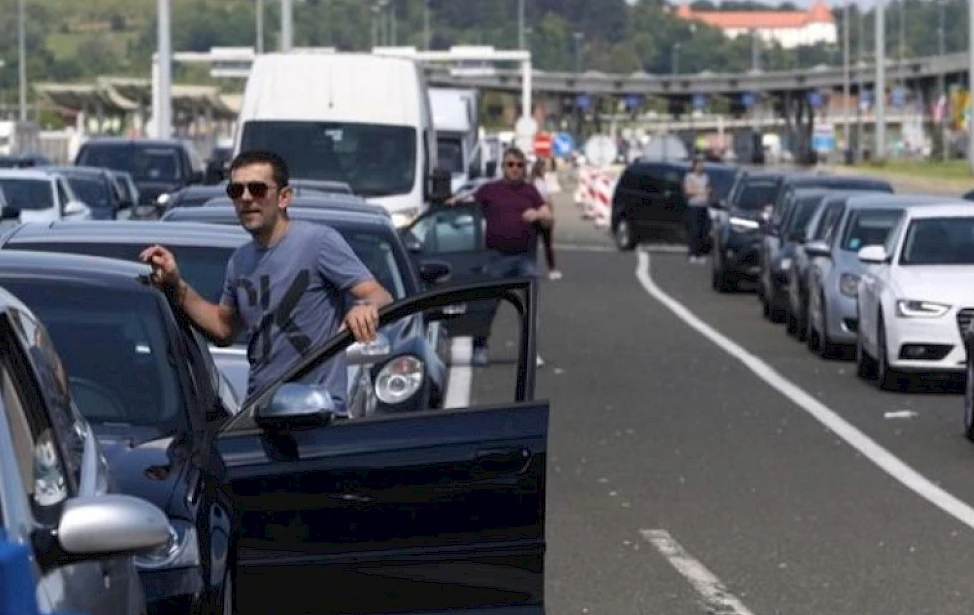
<point x="625" y="240"/>
<point x="886" y="378"/>
<point x="825" y="347"/>
<point x="865" y="365"/>
<point x="229" y="605"/>
<point x="802" y="319"/>
<point x="812" y="341"/>
<point x="969" y="401"/>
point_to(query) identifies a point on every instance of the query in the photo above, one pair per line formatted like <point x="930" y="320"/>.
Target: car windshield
<point x="92" y="191"/>
<point x="722" y="180"/>
<point x="449" y="152"/>
<point x="143" y="163"/>
<point x="375" y="160"/>
<point x="29" y="194"/>
<point x="939" y="241"/>
<point x="115" y="349"/>
<point x="805" y="208"/>
<point x="755" y="195"/>
<point x="868" y="228"/>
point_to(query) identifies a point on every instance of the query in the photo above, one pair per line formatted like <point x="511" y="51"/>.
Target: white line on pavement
<point x="461" y="375"/>
<point x="888" y="462"/>
<point x="716" y="597"/>
<point x="662" y="248"/>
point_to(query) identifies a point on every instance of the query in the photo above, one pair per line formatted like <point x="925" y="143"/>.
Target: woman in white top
<point x="539" y="181"/>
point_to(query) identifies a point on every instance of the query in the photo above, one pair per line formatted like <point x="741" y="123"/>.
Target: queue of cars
<point x="847" y="264"/>
<point x="271" y="501"/>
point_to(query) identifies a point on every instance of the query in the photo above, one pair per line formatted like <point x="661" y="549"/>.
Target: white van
<point x="356" y="118"/>
<point x="457" y="135"/>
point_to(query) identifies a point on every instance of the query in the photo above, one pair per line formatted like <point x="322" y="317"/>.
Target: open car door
<point x="421" y="512"/>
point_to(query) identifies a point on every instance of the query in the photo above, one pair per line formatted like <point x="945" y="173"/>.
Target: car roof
<point x="907" y="200"/>
<point x="134" y="142"/>
<point x="763" y="175"/>
<point x="76" y="170"/>
<point x="126" y="232"/>
<point x="29" y="173"/>
<point x="319" y="200"/>
<point x="815" y="179"/>
<point x="312" y="214"/>
<point x="73" y="268"/>
<point x="948" y="209"/>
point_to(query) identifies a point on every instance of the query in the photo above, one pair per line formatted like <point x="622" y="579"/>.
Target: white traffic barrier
<point x="603" y="200"/>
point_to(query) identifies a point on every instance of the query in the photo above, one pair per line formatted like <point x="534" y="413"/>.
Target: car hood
<point x="38" y="215"/>
<point x="147" y="469"/>
<point x="748" y="214"/>
<point x="949" y="284"/>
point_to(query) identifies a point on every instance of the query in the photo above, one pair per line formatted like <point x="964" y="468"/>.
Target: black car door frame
<point x="325" y="510"/>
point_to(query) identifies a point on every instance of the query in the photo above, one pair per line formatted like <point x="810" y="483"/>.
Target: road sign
<point x="542" y="144"/>
<point x="524" y="131"/>
<point x="699" y="101"/>
<point x="748" y="99"/>
<point x="823" y="138"/>
<point x="815" y="99"/>
<point x="583" y="101"/>
<point x="601" y="150"/>
<point x="563" y="145"/>
<point x="632" y="101"/>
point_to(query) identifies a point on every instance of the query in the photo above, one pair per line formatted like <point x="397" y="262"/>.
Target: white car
<point x="38" y="196"/>
<point x="917" y="295"/>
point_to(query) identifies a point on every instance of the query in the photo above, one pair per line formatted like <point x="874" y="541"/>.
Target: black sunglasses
<point x="259" y="190"/>
<point x="513" y="164"/>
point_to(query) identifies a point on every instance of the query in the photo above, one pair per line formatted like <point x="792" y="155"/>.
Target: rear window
<point x="754" y="195"/>
<point x="869" y="228"/>
<point x="145" y="164"/>
<point x="722" y="180"/>
<point x="29" y="194"/>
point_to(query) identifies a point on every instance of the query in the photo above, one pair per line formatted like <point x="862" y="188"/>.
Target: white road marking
<point x="461" y="374"/>
<point x="662" y="248"/>
<point x="715" y="596"/>
<point x="868" y="447"/>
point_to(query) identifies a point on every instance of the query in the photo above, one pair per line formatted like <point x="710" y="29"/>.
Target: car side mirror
<point x="434" y="272"/>
<point x="297" y="405"/>
<point x="409" y="241"/>
<point x="376" y="351"/>
<point x="103" y="526"/>
<point x="818" y="248"/>
<point x="441" y="185"/>
<point x="75" y="208"/>
<point x="874" y="255"/>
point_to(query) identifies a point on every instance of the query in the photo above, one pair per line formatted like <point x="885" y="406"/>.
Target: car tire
<point x="229" y="600"/>
<point x="865" y="364"/>
<point x="825" y="347"/>
<point x="969" y="401"/>
<point x="886" y="378"/>
<point x="623" y="234"/>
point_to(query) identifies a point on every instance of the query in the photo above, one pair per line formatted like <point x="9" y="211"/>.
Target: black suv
<point x="158" y="166"/>
<point x="649" y="203"/>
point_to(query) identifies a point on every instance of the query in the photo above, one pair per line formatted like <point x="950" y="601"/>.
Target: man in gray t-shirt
<point x="696" y="187"/>
<point x="285" y="288"/>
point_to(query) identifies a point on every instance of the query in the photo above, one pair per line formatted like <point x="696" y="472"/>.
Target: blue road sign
<point x="562" y="145"/>
<point x="865" y="97"/>
<point x="699" y="101"/>
<point x="815" y="99"/>
<point x="632" y="101"/>
<point x="898" y="97"/>
<point x="823" y="142"/>
<point x="583" y="101"/>
<point x="748" y="99"/>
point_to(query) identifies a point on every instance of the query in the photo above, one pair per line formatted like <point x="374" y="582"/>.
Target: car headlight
<point x="920" y="309"/>
<point x="743" y="224"/>
<point x="785" y="264"/>
<point x="163" y="198"/>
<point x="399" y="379"/>
<point x="849" y="284"/>
<point x="404" y="217"/>
<point x="182" y="550"/>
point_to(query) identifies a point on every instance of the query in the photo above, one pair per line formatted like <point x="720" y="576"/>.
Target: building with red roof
<point x="788" y="28"/>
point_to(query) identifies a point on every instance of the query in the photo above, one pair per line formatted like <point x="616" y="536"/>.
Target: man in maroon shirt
<point x="513" y="210"/>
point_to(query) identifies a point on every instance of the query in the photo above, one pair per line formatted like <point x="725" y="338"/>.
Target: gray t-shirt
<point x="290" y="299"/>
<point x="702" y="182"/>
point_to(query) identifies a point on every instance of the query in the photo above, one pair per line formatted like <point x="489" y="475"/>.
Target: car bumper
<point x="842" y="319"/>
<point x="173" y="592"/>
<point x="742" y="255"/>
<point x="925" y="345"/>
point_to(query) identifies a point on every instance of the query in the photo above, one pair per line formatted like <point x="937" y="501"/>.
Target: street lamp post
<point x="942" y="81"/>
<point x="164" y="72"/>
<point x="845" y="77"/>
<point x="22" y="58"/>
<point x="520" y="24"/>
<point x="970" y="84"/>
<point x="860" y="66"/>
<point x="427" y="36"/>
<point x="259" y="25"/>
<point x="287" y="25"/>
<point x="675" y="59"/>
<point x="880" y="89"/>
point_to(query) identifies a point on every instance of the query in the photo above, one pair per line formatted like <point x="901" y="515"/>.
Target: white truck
<point x="457" y="138"/>
<point x="18" y="138"/>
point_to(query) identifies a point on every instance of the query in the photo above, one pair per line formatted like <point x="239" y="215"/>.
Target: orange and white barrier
<point x="594" y="194"/>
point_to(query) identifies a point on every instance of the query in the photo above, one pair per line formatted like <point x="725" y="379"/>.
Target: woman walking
<point x="539" y="181"/>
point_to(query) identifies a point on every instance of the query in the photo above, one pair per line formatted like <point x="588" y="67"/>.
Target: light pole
<point x="259" y="19"/>
<point x="164" y="72"/>
<point x="287" y="25"/>
<point x="880" y="89"/>
<point x="942" y="81"/>
<point x="427" y="37"/>
<point x="22" y="58"/>
<point x="393" y="26"/>
<point x="860" y="66"/>
<point x="845" y="77"/>
<point x="755" y="54"/>
<point x="578" y="52"/>
<point x="675" y="59"/>
<point x="970" y="82"/>
<point x="520" y="24"/>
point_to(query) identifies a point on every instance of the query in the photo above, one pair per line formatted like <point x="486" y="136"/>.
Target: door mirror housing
<point x="297" y="405"/>
<point x="101" y="527"/>
<point x="434" y="272"/>
<point x="75" y="208"/>
<point x="441" y="185"/>
<point x="874" y="255"/>
<point x="818" y="248"/>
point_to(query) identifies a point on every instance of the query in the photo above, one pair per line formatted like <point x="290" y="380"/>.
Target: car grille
<point x="964" y="319"/>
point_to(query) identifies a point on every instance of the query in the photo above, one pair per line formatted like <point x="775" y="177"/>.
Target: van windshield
<point x="374" y="160"/>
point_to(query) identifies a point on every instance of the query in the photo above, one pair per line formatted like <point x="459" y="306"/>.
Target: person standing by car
<point x="540" y="182"/>
<point x="696" y="187"/>
<point x="285" y="288"/>
<point x="514" y="210"/>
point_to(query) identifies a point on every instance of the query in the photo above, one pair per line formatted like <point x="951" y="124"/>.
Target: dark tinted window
<point x="868" y="228"/>
<point x="143" y="163"/>
<point x="721" y="180"/>
<point x="30" y="194"/>
<point x="755" y="194"/>
<point x="115" y="348"/>
<point x="804" y="209"/>
<point x="93" y="191"/>
<point x="449" y="152"/>
<point x="939" y="241"/>
<point x="375" y="160"/>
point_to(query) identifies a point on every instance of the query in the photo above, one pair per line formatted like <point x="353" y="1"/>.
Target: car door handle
<point x="498" y="460"/>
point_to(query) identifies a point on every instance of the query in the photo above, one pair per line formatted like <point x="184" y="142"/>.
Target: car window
<point x="143" y="163"/>
<point x="132" y="382"/>
<point x="721" y="180"/>
<point x="39" y="460"/>
<point x="445" y="231"/>
<point x="62" y="193"/>
<point x="825" y="220"/>
<point x="377" y="254"/>
<point x="28" y="194"/>
<point x="939" y="241"/>
<point x="868" y="228"/>
<point x="754" y="195"/>
<point x="93" y="191"/>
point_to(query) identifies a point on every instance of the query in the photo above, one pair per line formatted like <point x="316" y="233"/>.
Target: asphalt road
<point x="680" y="482"/>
